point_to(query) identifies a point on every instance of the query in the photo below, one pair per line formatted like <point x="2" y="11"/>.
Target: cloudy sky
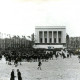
<point x="19" y="17"/>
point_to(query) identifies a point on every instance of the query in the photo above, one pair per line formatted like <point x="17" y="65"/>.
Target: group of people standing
<point x="63" y="54"/>
<point x="33" y="56"/>
<point x="13" y="75"/>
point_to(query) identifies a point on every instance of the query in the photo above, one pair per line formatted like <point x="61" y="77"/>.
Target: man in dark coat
<point x="19" y="74"/>
<point x="12" y="75"/>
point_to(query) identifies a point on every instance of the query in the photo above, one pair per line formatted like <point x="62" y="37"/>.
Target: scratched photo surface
<point x="39" y="40"/>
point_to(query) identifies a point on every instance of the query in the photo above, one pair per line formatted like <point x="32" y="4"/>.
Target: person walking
<point x="39" y="65"/>
<point x="19" y="74"/>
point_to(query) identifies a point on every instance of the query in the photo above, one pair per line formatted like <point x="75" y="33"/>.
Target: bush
<point x="76" y="53"/>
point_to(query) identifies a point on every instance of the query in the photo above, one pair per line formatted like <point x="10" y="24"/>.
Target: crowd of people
<point x="34" y="55"/>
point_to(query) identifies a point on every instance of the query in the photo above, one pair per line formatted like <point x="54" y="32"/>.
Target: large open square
<point x="60" y="69"/>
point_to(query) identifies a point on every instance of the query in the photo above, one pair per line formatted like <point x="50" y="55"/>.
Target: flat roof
<point x="50" y="27"/>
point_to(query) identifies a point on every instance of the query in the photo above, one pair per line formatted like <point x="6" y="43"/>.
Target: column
<point x="52" y="36"/>
<point x="57" y="36"/>
<point x="47" y="36"/>
<point x="61" y="36"/>
<point x="38" y="37"/>
<point x="43" y="36"/>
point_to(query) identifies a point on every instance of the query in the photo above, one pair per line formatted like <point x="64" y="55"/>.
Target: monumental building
<point x="50" y="37"/>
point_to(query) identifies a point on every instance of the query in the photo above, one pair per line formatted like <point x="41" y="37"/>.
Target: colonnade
<point x="50" y="36"/>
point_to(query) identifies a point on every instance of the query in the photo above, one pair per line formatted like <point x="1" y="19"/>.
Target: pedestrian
<point x="12" y="75"/>
<point x="79" y="58"/>
<point x="19" y="74"/>
<point x="39" y="65"/>
<point x="16" y="62"/>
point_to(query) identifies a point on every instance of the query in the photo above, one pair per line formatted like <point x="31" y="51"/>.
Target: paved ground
<point x="60" y="69"/>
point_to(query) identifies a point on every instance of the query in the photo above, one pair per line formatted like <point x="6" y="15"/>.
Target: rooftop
<point x="50" y="27"/>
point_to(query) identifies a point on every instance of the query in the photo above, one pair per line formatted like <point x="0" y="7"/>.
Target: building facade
<point x="50" y="37"/>
<point x="74" y="42"/>
<point x="14" y="42"/>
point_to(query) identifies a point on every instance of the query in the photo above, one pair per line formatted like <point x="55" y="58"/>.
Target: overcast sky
<point x="20" y="17"/>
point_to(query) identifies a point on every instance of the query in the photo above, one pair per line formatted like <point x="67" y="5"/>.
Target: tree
<point x="77" y="43"/>
<point x="32" y="37"/>
<point x="67" y="40"/>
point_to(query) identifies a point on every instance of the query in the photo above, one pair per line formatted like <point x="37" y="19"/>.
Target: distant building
<point x="74" y="42"/>
<point x="50" y="37"/>
<point x="14" y="42"/>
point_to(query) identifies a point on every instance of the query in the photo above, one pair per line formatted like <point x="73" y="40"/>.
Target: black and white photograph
<point x="39" y="39"/>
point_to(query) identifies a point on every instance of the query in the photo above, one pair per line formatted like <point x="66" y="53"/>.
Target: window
<point x="54" y="40"/>
<point x="50" y="40"/>
<point x="40" y="40"/>
<point x="45" y="40"/>
<point x="59" y="40"/>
